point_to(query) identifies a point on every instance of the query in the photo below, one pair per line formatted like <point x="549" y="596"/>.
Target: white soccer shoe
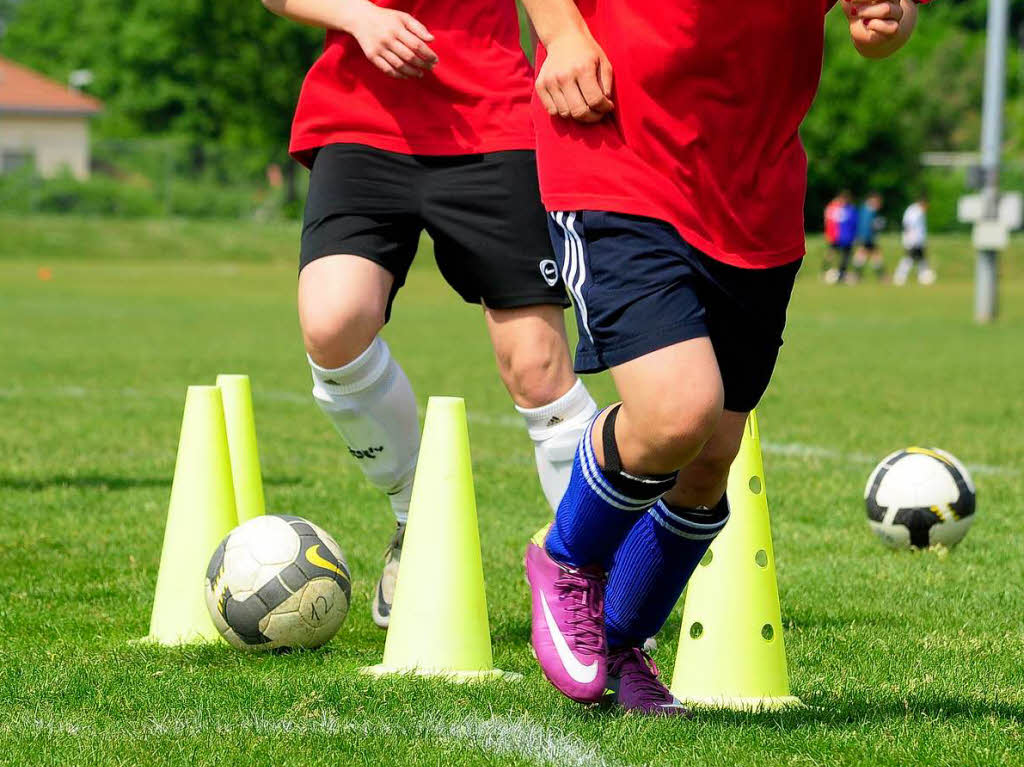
<point x="380" y="609"/>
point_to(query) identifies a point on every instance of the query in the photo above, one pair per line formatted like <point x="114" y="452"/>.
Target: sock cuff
<point x="542" y="422"/>
<point x="361" y="373"/>
<point x="694" y="524"/>
<point x="650" y="489"/>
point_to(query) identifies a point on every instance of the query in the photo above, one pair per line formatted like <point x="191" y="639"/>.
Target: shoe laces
<point x="395" y="544"/>
<point x="584" y="592"/>
<point x="637" y="669"/>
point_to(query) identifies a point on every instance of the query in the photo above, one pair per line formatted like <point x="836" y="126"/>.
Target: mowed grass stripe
<point x="494" y="736"/>
<point x="794" y="450"/>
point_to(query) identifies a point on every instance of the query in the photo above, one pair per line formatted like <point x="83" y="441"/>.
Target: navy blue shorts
<point x="638" y="286"/>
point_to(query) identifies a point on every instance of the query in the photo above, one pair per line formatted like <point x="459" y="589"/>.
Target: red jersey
<point x="475" y="100"/>
<point x="709" y="96"/>
<point x="832" y="222"/>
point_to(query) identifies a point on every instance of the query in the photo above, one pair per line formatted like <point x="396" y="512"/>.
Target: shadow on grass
<point x="843" y="713"/>
<point x="837" y="713"/>
<point x="106" y="482"/>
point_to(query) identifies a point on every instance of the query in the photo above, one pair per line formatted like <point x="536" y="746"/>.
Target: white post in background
<point x="989" y="234"/>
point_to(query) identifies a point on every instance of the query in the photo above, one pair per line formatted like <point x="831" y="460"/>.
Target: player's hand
<point x="879" y="28"/>
<point x="393" y="41"/>
<point x="575" y="81"/>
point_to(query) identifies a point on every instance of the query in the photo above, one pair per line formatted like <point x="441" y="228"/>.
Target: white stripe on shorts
<point x="574" y="270"/>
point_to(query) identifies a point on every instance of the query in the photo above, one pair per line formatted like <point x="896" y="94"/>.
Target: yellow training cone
<point x="245" y="458"/>
<point x="200" y="514"/>
<point x="541" y="535"/>
<point x="439" y="615"/>
<point x="731" y="653"/>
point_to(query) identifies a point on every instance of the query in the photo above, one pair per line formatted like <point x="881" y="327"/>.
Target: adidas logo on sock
<point x="367" y="452"/>
<point x="555" y="420"/>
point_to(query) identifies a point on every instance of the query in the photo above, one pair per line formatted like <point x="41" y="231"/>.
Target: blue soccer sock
<point x="600" y="505"/>
<point x="652" y="566"/>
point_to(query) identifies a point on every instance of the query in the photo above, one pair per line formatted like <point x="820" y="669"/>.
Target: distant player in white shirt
<point x="915" y="239"/>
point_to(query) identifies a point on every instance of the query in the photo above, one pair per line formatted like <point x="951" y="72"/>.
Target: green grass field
<point x="902" y="658"/>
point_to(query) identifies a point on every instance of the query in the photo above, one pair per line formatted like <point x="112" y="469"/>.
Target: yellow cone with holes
<point x="236" y="392"/>
<point x="439" y="621"/>
<point x="201" y="512"/>
<point x="731" y="652"/>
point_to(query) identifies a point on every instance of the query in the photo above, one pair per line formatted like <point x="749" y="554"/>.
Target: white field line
<point x="503" y="421"/>
<point x="495" y="736"/>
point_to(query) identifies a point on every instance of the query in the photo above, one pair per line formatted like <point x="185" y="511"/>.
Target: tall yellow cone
<point x="439" y="615"/>
<point x="731" y="652"/>
<point x="200" y="514"/>
<point x="245" y="458"/>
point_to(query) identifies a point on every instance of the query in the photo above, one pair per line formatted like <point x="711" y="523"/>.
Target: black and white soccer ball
<point x="278" y="582"/>
<point x="920" y="497"/>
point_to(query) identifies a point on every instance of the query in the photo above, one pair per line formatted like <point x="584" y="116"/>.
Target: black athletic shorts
<point x="638" y="286"/>
<point x="482" y="211"/>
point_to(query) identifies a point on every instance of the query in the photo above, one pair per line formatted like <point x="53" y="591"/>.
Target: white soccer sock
<point x="903" y="270"/>
<point x="556" y="430"/>
<point x="371" y="404"/>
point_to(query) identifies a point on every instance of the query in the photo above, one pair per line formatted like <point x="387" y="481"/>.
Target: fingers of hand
<point x="408" y="57"/>
<point x="604" y="74"/>
<point x="417" y="46"/>
<point x="597" y="103"/>
<point x="546" y="100"/>
<point x="582" y="92"/>
<point x="883" y="26"/>
<point x="576" y="86"/>
<point x="578" y="107"/>
<point x="416" y="28"/>
<point x="558" y="99"/>
<point x="889" y="11"/>
<point x="399" y="65"/>
<point x="384" y="66"/>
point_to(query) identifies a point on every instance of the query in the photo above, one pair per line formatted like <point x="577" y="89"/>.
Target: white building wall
<point x="55" y="142"/>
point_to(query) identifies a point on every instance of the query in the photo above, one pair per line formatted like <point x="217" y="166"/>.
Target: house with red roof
<point x="43" y="123"/>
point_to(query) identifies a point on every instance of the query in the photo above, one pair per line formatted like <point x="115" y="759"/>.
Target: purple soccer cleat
<point x="633" y="680"/>
<point x="568" y="625"/>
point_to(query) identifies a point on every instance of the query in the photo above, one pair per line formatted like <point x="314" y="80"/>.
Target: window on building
<point x="13" y="159"/>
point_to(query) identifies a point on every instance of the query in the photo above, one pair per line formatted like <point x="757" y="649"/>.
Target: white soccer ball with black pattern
<point x="920" y="497"/>
<point x="278" y="582"/>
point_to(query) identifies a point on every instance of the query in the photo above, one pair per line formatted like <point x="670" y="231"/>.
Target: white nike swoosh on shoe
<point x="580" y="673"/>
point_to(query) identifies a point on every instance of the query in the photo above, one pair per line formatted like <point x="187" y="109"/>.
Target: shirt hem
<point x="629" y="206"/>
<point x="302" y="148"/>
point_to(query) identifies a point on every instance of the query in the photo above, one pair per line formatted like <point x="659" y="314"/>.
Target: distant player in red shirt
<point x="832" y="216"/>
<point x="841" y="233"/>
<point x="417" y="118"/>
<point x="671" y="165"/>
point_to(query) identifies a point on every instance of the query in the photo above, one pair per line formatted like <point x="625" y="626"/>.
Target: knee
<point x="674" y="430"/>
<point x="534" y="375"/>
<point x="336" y="335"/>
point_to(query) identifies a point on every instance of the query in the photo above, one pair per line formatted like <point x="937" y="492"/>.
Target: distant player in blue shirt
<point x="869" y="224"/>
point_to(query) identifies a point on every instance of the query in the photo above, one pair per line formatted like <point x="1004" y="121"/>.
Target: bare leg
<point x="532" y="353"/>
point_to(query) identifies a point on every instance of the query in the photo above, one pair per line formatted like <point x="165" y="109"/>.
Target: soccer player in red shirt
<point x="675" y="184"/>
<point x="417" y="117"/>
